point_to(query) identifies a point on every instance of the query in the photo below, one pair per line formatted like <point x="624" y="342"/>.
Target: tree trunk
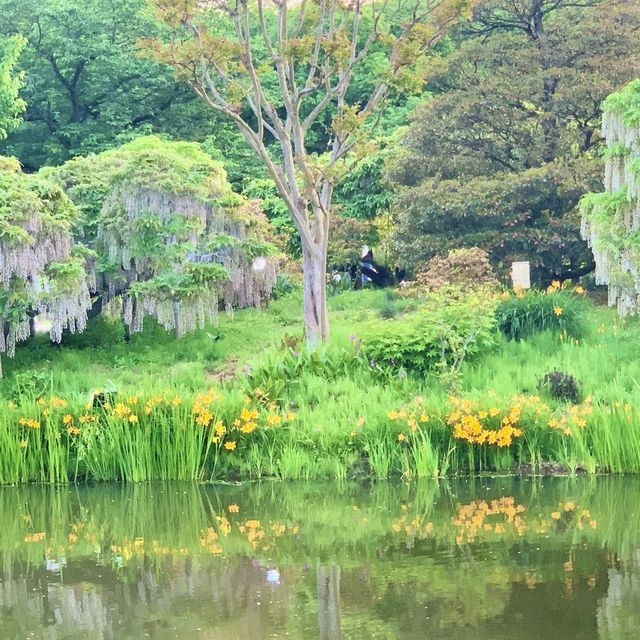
<point x="328" y="594"/>
<point x="314" y="270"/>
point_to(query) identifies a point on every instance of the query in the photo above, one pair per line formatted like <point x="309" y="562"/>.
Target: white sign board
<point x="521" y="275"/>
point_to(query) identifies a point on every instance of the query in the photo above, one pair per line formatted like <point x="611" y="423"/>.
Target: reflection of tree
<point x="619" y="609"/>
<point x="166" y="562"/>
<point x="328" y="585"/>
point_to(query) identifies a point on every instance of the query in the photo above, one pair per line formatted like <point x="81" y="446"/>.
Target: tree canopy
<point x="474" y="151"/>
<point x="11" y="105"/>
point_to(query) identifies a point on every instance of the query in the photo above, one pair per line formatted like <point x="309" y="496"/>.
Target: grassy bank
<point x="170" y="409"/>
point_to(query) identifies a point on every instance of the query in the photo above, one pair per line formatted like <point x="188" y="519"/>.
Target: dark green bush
<point x="560" y="386"/>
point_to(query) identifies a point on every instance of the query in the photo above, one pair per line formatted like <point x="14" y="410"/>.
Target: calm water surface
<point x="481" y="559"/>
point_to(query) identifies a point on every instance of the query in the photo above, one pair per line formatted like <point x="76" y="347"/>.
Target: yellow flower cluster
<point x="490" y="426"/>
<point x="29" y="422"/>
<point x="251" y="416"/>
<point x="574" y="416"/>
<point x="410" y="416"/>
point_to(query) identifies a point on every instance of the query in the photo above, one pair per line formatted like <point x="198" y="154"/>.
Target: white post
<point x="521" y="275"/>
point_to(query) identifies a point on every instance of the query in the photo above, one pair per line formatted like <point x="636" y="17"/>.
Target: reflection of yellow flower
<point x="230" y="445"/>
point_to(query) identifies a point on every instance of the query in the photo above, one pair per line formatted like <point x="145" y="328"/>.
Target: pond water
<point x="476" y="559"/>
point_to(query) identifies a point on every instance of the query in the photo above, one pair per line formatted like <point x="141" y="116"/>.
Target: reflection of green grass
<point x="303" y="522"/>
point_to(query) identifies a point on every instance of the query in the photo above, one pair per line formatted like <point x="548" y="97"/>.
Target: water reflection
<point x="477" y="559"/>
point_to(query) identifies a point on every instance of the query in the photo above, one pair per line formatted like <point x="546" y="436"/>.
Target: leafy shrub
<point x="560" y="386"/>
<point x="285" y="284"/>
<point x="438" y="338"/>
<point x="461" y="268"/>
<point x="525" y="313"/>
<point x="280" y="369"/>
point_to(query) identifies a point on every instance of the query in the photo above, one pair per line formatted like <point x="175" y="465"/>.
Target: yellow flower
<point x="248" y="427"/>
<point x="204" y="418"/>
<point x="133" y="418"/>
<point x="23" y="444"/>
<point x="230" y="445"/>
<point x="219" y="429"/>
<point x="402" y="437"/>
<point x="556" y="515"/>
<point x="233" y="508"/>
<point x="273" y="420"/>
<point x="424" y="418"/>
<point x="557" y="311"/>
<point x="67" y="419"/>
<point x="73" y="431"/>
<point x="11" y="404"/>
<point x="291" y="416"/>
<point x="579" y="290"/>
<point x="176" y="401"/>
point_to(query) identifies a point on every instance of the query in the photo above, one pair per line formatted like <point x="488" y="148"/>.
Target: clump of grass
<point x="525" y="313"/>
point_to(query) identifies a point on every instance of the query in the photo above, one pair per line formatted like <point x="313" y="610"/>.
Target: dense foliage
<point x="11" y="105"/>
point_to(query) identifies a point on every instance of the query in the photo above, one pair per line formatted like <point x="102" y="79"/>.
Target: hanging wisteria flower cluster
<point x="175" y="242"/>
<point x="611" y="220"/>
<point x="39" y="273"/>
